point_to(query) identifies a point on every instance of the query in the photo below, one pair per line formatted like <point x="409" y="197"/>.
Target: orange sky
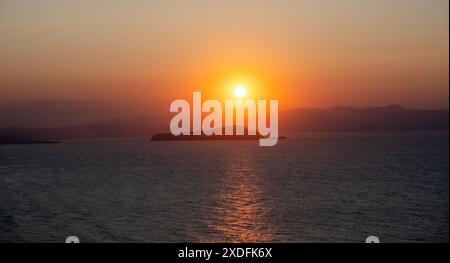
<point x="304" y="53"/>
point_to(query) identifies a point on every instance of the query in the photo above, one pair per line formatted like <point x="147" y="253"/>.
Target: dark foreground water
<point x="327" y="187"/>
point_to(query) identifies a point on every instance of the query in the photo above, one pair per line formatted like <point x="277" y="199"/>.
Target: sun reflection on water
<point x="240" y="214"/>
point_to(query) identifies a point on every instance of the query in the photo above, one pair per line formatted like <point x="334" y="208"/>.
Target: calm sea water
<point x="330" y="187"/>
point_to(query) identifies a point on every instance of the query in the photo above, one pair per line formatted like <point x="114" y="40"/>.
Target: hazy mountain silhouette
<point x="390" y="118"/>
<point x="111" y="128"/>
<point x="59" y="113"/>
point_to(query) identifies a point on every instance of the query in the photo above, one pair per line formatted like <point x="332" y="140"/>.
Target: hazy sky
<point x="306" y="53"/>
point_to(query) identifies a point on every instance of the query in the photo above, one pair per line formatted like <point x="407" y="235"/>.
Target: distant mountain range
<point x="60" y="113"/>
<point x="390" y="118"/>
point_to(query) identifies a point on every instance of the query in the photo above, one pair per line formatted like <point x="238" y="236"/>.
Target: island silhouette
<point x="171" y="137"/>
<point x="203" y="137"/>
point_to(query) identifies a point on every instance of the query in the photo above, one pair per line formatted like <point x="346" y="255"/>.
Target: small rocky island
<point x="171" y="137"/>
<point x="203" y="137"/>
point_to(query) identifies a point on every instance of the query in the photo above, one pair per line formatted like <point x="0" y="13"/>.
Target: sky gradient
<point x="304" y="53"/>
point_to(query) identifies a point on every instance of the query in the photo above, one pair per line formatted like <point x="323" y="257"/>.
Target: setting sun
<point x="240" y="91"/>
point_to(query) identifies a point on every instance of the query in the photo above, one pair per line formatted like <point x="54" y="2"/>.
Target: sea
<point x="310" y="187"/>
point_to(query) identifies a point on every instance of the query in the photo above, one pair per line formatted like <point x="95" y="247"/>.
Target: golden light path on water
<point x="240" y="214"/>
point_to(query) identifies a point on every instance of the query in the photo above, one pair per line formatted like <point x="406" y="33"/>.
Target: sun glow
<point x="240" y="91"/>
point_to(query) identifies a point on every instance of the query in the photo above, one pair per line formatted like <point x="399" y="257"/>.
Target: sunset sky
<point x="306" y="53"/>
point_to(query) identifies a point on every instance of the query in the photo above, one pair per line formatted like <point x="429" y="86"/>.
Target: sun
<point x="240" y="91"/>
